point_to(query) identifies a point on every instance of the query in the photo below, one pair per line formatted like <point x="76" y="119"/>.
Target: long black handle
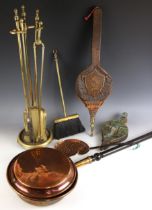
<point x="119" y="147"/>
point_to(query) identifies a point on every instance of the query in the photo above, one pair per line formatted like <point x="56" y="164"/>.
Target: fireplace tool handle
<point x="119" y="147"/>
<point x="38" y="88"/>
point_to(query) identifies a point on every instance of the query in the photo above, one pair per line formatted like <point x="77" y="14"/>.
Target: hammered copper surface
<point x="41" y="173"/>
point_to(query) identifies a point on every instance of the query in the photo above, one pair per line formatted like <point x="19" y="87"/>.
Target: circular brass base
<point x="26" y="144"/>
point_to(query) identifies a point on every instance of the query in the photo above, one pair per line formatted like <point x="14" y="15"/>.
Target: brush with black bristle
<point x="69" y="124"/>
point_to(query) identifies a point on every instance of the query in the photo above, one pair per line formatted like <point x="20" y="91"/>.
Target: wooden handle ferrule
<point x="84" y="162"/>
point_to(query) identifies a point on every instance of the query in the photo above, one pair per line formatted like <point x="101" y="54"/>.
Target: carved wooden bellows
<point x="94" y="84"/>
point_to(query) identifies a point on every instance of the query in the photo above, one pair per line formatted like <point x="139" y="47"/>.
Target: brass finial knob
<point x="37" y="15"/>
<point x="55" y="53"/>
<point x="16" y="17"/>
<point x="23" y="12"/>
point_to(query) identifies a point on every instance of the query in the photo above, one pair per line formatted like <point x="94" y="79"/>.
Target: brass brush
<point x="69" y="124"/>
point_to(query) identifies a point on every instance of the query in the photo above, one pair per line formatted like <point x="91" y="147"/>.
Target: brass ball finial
<point x="16" y="17"/>
<point x="16" y="11"/>
<point x="37" y="15"/>
<point x="23" y="11"/>
<point x="23" y="7"/>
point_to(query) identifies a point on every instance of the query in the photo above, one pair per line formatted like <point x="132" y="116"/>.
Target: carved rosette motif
<point x="93" y="86"/>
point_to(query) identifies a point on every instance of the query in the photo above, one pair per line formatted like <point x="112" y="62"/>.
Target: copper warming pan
<point x="42" y="176"/>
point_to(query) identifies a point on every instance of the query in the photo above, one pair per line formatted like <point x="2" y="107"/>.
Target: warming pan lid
<point x="41" y="173"/>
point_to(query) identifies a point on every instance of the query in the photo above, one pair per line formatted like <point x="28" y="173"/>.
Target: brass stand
<point x="34" y="133"/>
<point x="24" y="140"/>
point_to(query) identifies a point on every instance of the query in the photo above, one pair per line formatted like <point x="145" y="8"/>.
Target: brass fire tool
<point x="94" y="84"/>
<point x="34" y="133"/>
<point x="69" y="124"/>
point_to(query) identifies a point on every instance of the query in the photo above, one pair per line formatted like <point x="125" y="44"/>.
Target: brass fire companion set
<point x="42" y="176"/>
<point x="34" y="132"/>
<point x="93" y="85"/>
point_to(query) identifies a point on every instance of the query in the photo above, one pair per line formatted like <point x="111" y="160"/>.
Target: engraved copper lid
<point x="41" y="173"/>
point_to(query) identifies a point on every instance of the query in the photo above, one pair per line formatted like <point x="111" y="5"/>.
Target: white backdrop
<point x="119" y="181"/>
